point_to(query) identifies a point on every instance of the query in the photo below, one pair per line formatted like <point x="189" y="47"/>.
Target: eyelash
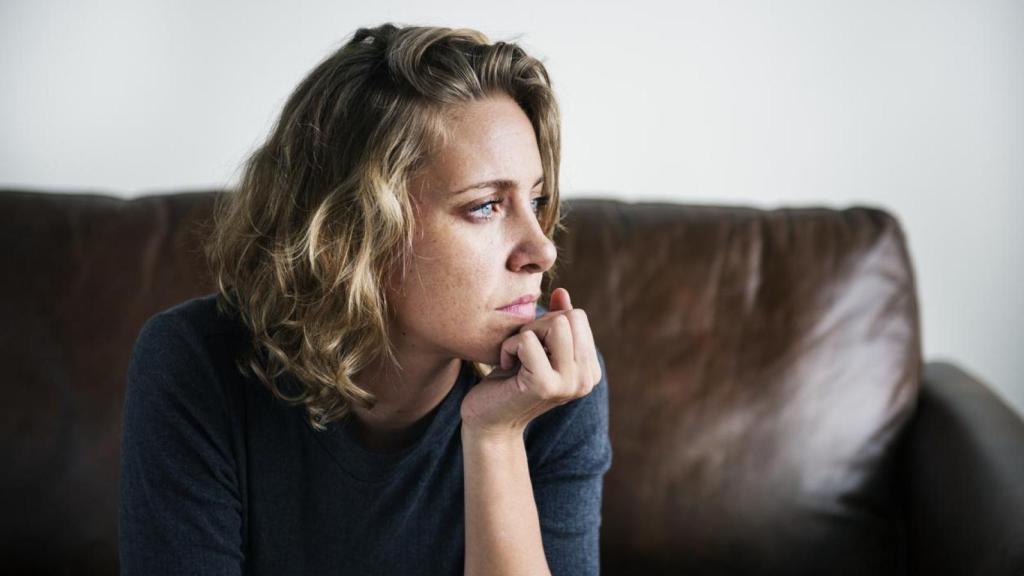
<point x="541" y="201"/>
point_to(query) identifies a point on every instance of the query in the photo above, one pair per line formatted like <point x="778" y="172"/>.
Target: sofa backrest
<point x="761" y="367"/>
<point x="81" y="273"/>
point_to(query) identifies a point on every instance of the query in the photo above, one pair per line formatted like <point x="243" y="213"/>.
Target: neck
<point x="404" y="398"/>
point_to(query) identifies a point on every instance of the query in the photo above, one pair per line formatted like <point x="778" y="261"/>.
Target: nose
<point x="533" y="251"/>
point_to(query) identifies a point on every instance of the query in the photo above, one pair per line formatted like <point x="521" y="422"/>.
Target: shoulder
<point x="186" y="330"/>
<point x="190" y="319"/>
<point x="181" y="353"/>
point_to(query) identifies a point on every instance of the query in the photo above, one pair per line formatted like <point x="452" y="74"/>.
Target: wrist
<point x="505" y="436"/>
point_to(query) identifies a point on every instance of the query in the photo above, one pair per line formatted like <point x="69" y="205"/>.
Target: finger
<point x="543" y="324"/>
<point x="559" y="300"/>
<point x="526" y="350"/>
<point x="583" y="344"/>
<point x="534" y="360"/>
<point x="510" y="352"/>
<point x="559" y="341"/>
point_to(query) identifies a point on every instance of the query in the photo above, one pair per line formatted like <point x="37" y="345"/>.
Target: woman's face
<point x="479" y="245"/>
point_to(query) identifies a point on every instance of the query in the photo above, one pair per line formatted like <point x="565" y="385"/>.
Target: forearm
<point x="502" y="525"/>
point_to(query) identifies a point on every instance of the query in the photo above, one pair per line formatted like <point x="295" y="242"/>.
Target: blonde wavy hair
<point x="302" y="250"/>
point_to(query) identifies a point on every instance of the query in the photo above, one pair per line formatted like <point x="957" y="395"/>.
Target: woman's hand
<point x="557" y="362"/>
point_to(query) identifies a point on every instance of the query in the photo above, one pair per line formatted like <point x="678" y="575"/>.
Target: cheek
<point x="468" y="272"/>
<point x="455" y="270"/>
<point x="450" y="294"/>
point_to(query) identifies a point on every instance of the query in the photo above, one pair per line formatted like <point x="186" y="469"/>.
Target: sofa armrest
<point x="965" y="470"/>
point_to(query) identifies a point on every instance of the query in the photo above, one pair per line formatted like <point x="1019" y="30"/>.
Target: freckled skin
<point x="465" y="267"/>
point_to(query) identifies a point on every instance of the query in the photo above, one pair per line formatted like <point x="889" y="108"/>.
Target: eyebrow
<point x="498" y="183"/>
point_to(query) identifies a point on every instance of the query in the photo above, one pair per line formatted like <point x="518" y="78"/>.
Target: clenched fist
<point x="550" y="361"/>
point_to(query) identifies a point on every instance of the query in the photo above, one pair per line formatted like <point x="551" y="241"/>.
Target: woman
<point x="331" y="408"/>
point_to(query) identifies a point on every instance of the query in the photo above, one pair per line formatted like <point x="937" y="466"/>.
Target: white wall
<point x="916" y="106"/>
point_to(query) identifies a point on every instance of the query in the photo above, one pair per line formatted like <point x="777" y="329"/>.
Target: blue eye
<point x="538" y="203"/>
<point x="486" y="210"/>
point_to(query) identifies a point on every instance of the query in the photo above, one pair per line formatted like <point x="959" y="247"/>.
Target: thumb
<point x="559" y="300"/>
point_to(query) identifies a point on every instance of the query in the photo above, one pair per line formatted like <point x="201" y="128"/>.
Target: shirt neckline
<point x="371" y="466"/>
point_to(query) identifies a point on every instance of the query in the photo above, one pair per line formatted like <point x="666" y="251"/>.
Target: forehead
<point x="482" y="140"/>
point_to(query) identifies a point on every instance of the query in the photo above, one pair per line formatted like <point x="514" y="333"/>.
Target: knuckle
<point x="561" y="322"/>
<point x="579" y="313"/>
<point x="549" y="392"/>
<point x="513" y="342"/>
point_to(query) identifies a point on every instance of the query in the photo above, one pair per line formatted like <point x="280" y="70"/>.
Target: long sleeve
<point x="180" y="508"/>
<point x="570" y="452"/>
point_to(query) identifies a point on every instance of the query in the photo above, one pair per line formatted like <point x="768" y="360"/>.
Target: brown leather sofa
<point x="770" y="413"/>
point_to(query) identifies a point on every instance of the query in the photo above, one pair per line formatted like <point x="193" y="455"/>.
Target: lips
<point x="523" y="307"/>
<point x="524" y="299"/>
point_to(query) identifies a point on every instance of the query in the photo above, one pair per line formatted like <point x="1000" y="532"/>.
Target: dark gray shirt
<point x="220" y="477"/>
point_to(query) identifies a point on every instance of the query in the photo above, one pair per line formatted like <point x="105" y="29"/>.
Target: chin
<point x="489" y="352"/>
<point x="486" y="346"/>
